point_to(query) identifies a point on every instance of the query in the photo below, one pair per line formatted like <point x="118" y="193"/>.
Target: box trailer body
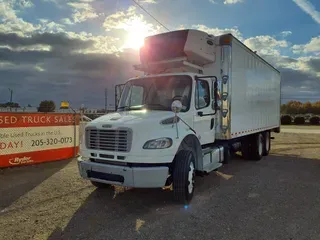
<point x="200" y="98"/>
<point x="252" y="92"/>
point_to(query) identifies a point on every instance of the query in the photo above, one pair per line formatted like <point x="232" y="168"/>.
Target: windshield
<point x="156" y="93"/>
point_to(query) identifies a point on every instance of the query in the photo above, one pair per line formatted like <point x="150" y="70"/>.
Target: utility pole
<point x="106" y="99"/>
<point x="11" y="92"/>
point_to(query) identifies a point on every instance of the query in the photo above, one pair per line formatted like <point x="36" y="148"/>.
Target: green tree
<point x="316" y="108"/>
<point x="10" y="104"/>
<point x="283" y="108"/>
<point x="47" y="106"/>
<point x="307" y="107"/>
<point x="294" y="107"/>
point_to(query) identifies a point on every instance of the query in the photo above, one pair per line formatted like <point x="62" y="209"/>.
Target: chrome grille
<point x="116" y="140"/>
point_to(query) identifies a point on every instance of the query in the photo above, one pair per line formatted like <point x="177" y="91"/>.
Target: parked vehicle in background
<point x="201" y="98"/>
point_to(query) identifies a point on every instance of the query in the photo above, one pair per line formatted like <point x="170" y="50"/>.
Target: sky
<point x="72" y="50"/>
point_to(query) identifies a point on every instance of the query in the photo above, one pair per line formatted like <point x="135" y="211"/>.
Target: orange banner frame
<point x="31" y="138"/>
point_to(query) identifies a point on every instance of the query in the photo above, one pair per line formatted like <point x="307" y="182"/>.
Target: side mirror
<point x="176" y="106"/>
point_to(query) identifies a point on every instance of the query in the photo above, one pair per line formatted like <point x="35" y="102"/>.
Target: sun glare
<point x="137" y="31"/>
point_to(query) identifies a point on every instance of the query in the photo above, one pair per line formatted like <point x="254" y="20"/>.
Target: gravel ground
<point x="275" y="198"/>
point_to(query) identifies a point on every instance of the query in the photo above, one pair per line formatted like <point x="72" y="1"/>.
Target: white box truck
<point x="200" y="99"/>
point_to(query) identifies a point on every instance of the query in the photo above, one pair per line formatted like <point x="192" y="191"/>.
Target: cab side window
<point x="202" y="94"/>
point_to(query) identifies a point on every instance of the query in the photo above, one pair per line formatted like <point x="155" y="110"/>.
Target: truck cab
<point x="169" y="122"/>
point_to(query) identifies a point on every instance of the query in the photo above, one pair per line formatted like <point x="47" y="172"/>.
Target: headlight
<point x="159" y="143"/>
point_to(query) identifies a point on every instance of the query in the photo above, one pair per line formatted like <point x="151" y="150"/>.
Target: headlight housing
<point x="160" y="143"/>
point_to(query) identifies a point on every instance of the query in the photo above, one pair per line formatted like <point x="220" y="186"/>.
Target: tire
<point x="257" y="147"/>
<point x="100" y="185"/>
<point x="183" y="176"/>
<point x="252" y="147"/>
<point x="266" y="143"/>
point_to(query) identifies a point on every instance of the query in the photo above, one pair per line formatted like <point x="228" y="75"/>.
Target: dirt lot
<point x="275" y="198"/>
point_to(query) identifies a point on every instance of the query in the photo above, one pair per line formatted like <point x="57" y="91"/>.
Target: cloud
<point x="266" y="45"/>
<point x="299" y="85"/>
<point x="232" y="1"/>
<point x="226" y="2"/>
<point x="44" y="60"/>
<point x="62" y="71"/>
<point x="82" y="11"/>
<point x="24" y="3"/>
<point x="299" y="76"/>
<point x="218" y="31"/>
<point x="7" y="11"/>
<point x="312" y="47"/>
<point x="314" y="64"/>
<point x="124" y="20"/>
<point x="308" y="8"/>
<point x="56" y="41"/>
<point x="285" y="33"/>
<point x="132" y="26"/>
<point x="66" y="21"/>
<point x="9" y="22"/>
<point x="119" y="19"/>
<point x="147" y="1"/>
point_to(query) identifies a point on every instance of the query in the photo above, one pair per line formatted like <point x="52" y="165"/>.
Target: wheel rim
<point x="267" y="142"/>
<point x="260" y="145"/>
<point x="191" y="178"/>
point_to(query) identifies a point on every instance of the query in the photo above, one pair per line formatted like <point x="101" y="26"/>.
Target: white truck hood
<point x="132" y="118"/>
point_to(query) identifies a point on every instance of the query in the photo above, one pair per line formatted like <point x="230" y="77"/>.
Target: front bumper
<point x="139" y="177"/>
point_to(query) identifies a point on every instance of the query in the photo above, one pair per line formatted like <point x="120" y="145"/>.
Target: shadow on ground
<point x="17" y="181"/>
<point x="258" y="197"/>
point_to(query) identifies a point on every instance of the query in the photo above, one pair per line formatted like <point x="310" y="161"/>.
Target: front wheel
<point x="184" y="176"/>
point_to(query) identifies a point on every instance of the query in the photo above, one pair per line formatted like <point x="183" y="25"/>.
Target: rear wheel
<point x="257" y="147"/>
<point x="266" y="143"/>
<point x="184" y="176"/>
<point x="252" y="147"/>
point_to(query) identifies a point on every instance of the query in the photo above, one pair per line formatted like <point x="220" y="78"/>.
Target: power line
<point x="150" y="15"/>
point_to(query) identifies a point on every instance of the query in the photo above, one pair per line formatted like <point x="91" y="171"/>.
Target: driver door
<point x="204" y="118"/>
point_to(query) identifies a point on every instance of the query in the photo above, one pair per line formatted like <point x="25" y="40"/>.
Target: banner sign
<point x="29" y="138"/>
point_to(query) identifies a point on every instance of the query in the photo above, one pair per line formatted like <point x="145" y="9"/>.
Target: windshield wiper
<point x="130" y="107"/>
<point x="162" y="107"/>
<point x="124" y="107"/>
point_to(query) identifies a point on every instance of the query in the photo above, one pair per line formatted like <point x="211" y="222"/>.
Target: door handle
<point x="212" y="123"/>
<point x="200" y="114"/>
